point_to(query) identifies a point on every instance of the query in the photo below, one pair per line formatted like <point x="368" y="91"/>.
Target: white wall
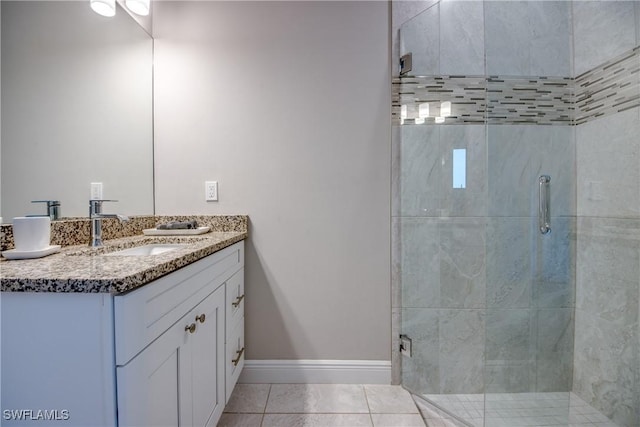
<point x="287" y="106"/>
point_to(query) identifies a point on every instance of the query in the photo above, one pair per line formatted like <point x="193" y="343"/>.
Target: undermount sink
<point x="152" y="249"/>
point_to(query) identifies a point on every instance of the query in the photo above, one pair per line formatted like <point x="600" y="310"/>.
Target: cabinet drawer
<point x="235" y="356"/>
<point x="235" y="299"/>
<point x="145" y="313"/>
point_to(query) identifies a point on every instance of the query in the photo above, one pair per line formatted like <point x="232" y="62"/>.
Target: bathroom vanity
<point x="95" y="340"/>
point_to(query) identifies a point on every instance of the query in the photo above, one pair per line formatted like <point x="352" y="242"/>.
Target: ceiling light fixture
<point x="445" y="109"/>
<point x="139" y="7"/>
<point x="403" y="112"/>
<point x="423" y="110"/>
<point x="104" y="7"/>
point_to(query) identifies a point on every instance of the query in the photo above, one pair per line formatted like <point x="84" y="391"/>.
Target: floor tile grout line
<point x="322" y="413"/>
<point x="264" y="411"/>
<point x="366" y="399"/>
<point x="362" y="412"/>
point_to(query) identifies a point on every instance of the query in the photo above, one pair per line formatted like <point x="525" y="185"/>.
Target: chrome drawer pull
<point x="236" y="303"/>
<point x="237" y="359"/>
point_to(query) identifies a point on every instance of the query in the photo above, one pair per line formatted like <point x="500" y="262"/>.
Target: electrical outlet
<point x="211" y="191"/>
<point x="96" y="191"/>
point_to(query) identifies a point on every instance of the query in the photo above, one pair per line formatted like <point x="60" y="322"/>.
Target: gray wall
<point x="287" y="106"/>
<point x="607" y="349"/>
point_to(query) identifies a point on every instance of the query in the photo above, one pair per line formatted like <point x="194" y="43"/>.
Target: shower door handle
<point x="544" y="212"/>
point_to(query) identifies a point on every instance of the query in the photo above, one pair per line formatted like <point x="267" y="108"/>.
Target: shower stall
<point x="516" y="212"/>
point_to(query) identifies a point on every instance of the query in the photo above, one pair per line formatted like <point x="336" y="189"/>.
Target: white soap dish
<point x="16" y="254"/>
<point x="175" y="232"/>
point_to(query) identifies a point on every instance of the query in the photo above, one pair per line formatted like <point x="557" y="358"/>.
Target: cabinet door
<point x="154" y="388"/>
<point x="208" y="359"/>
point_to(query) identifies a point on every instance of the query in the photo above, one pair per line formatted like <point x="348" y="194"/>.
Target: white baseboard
<point x="316" y="372"/>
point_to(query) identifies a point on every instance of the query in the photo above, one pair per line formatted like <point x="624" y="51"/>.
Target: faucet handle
<point x="97" y="203"/>
<point x="53" y="208"/>
<point x="48" y="202"/>
<point x="95" y="206"/>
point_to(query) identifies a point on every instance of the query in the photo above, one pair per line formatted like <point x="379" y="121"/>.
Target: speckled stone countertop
<point x="80" y="268"/>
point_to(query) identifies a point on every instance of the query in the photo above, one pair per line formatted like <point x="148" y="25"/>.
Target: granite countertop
<point x="82" y="269"/>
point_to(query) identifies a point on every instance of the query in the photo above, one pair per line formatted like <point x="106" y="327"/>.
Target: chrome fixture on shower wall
<point x="544" y="211"/>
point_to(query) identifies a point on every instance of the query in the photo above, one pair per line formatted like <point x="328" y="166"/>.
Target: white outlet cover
<point x="211" y="191"/>
<point x="96" y="191"/>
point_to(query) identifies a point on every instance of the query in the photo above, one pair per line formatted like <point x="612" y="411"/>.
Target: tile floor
<point x="320" y="405"/>
<point x="513" y="410"/>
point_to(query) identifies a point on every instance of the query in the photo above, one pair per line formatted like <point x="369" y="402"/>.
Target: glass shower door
<point x="531" y="224"/>
<point x="487" y="299"/>
<point x="530" y="275"/>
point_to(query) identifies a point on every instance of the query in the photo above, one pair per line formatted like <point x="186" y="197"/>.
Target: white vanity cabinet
<point x="165" y="354"/>
<point x="171" y="364"/>
<point x="178" y="379"/>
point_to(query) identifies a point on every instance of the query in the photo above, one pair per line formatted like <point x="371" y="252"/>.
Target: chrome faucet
<point x="96" y="216"/>
<point x="53" y="208"/>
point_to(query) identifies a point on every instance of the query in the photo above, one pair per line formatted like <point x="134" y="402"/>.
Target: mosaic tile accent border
<point x="538" y="100"/>
<point x="607" y="89"/>
<point x="610" y="88"/>
<point x="466" y="94"/>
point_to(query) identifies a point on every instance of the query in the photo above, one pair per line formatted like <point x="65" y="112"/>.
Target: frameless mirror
<point x="76" y="109"/>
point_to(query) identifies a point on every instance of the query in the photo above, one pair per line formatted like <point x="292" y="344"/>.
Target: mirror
<point x="76" y="109"/>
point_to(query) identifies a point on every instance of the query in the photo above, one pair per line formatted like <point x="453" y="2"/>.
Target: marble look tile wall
<point x="461" y="38"/>
<point x="461" y="333"/>
<point x="420" y="171"/>
<point x="420" y="262"/>
<point x="607" y="333"/>
<point x="401" y="12"/>
<point x="421" y="373"/>
<point x="608" y="155"/>
<point x="446" y="39"/>
<point x="448" y="350"/>
<point x="554" y="349"/>
<point x="607" y="344"/>
<point x="423" y="180"/>
<point x="517" y="156"/>
<point x="602" y="30"/>
<point x="421" y="37"/>
<point x="529" y="38"/>
<point x="509" y="265"/>
<point x="463" y="263"/>
<point x="522" y="38"/>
